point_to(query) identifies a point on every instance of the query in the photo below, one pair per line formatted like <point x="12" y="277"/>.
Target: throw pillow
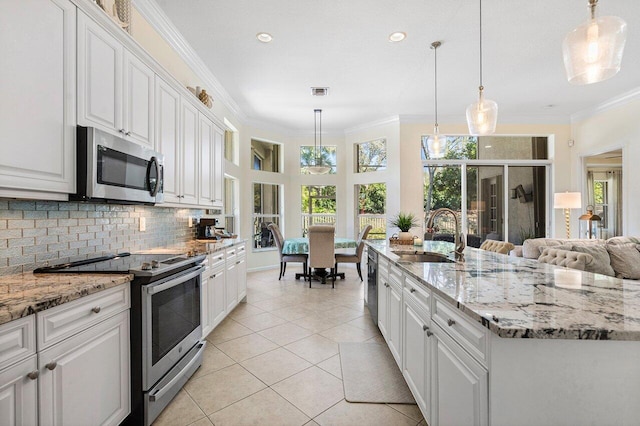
<point x="566" y="258"/>
<point x="531" y="248"/>
<point x="625" y="260"/>
<point x="558" y="246"/>
<point x="601" y="261"/>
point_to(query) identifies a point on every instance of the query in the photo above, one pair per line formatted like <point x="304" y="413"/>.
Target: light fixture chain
<point x="435" y="81"/>
<point x="481" y="45"/>
<point x="592" y="7"/>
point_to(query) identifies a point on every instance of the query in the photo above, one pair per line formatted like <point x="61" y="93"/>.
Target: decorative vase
<point x="405" y="236"/>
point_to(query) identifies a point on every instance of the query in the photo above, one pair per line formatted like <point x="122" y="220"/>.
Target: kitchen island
<point x="509" y="341"/>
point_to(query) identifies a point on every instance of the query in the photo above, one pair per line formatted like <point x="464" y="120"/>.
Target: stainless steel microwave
<point x="114" y="169"/>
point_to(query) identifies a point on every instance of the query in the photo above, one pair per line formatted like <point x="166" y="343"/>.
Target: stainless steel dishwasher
<point x="372" y="284"/>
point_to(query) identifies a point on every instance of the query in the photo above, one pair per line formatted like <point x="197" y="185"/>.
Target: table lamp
<point x="567" y="201"/>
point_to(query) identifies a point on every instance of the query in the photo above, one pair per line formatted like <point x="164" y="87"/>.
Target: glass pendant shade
<point x="482" y="116"/>
<point x="318" y="167"/>
<point x="593" y="51"/>
<point x="436" y="145"/>
<point x="318" y="170"/>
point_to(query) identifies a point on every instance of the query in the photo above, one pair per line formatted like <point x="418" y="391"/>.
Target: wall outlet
<point x="143" y="224"/>
<point x="190" y="221"/>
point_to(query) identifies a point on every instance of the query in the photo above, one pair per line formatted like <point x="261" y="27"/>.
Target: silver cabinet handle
<point x="128" y="134"/>
<point x="33" y="375"/>
<point x="413" y="290"/>
<point x="121" y="130"/>
<point x="96" y="309"/>
<point x="425" y="328"/>
<point x="52" y="365"/>
<point x="429" y="334"/>
<point x="450" y="322"/>
<point x="238" y="262"/>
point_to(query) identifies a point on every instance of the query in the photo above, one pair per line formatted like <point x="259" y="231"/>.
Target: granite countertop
<point x="28" y="293"/>
<point x="521" y="298"/>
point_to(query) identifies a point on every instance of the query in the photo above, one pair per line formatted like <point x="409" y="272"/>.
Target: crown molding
<point x="615" y="102"/>
<point x="156" y="17"/>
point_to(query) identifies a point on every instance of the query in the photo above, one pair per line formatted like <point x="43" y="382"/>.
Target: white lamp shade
<point x="436" y="145"/>
<point x="482" y="117"/>
<point x="567" y="200"/>
<point x="319" y="170"/>
<point x="593" y="51"/>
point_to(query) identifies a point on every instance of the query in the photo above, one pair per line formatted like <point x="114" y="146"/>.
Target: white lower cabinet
<point x="85" y="380"/>
<point x="205" y="315"/>
<point x="394" y="317"/>
<point x="19" y="393"/>
<point x="241" y="272"/>
<point x="459" y="384"/>
<point x="416" y="353"/>
<point x="231" y="281"/>
<point x="382" y="285"/>
<point x="217" y="302"/>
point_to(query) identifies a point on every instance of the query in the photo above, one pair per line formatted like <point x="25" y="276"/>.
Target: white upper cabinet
<point x="38" y="86"/>
<point x="189" y="154"/>
<point x="218" y="167"/>
<point x="205" y="195"/>
<point x="168" y="137"/>
<point x="138" y="100"/>
<point x="115" y="89"/>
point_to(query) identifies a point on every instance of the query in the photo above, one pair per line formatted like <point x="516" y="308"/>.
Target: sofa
<point x="617" y="256"/>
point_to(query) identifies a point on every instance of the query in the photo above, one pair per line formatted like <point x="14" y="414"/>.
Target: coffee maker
<point x="207" y="229"/>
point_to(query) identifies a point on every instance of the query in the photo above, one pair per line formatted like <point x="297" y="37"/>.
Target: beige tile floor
<point x="274" y="360"/>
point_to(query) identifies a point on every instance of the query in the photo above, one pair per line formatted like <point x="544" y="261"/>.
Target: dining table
<point x="301" y="246"/>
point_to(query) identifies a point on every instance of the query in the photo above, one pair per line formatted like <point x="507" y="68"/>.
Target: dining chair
<point x="322" y="251"/>
<point x="355" y="257"/>
<point x="284" y="258"/>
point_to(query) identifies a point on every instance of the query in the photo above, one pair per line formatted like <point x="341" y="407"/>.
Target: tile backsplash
<point x="37" y="233"/>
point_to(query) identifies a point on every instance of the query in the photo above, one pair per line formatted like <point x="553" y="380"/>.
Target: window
<point x="230" y="219"/>
<point x="503" y="199"/>
<point x="371" y="208"/>
<point x="265" y="156"/>
<point x="229" y="146"/>
<point x="318" y="206"/>
<point x="266" y="210"/>
<point x="308" y="158"/>
<point x="371" y="156"/>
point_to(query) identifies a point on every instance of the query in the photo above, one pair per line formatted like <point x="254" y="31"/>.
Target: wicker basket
<point x="395" y="240"/>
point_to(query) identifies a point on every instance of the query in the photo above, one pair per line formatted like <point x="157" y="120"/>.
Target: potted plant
<point x="404" y="221"/>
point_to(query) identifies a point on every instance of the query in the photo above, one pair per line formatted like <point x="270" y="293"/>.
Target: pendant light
<point x="592" y="52"/>
<point x="318" y="168"/>
<point x="482" y="116"/>
<point x="436" y="143"/>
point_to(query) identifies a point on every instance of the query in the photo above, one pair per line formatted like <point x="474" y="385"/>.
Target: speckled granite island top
<point x="199" y="246"/>
<point x="25" y="294"/>
<point x="521" y="298"/>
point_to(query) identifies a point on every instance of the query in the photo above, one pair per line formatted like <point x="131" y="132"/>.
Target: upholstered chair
<point x="502" y="247"/>
<point x="355" y="257"/>
<point x="566" y="258"/>
<point x="322" y="250"/>
<point x="284" y="258"/>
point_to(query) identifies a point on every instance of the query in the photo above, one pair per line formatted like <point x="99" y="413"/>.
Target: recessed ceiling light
<point x="488" y="146"/>
<point x="264" y="37"/>
<point x="397" y="36"/>
<point x="550" y="106"/>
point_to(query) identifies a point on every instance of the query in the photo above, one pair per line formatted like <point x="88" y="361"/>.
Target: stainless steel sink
<point x="422" y="256"/>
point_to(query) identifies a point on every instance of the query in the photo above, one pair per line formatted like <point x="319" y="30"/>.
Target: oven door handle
<point x="157" y="288"/>
<point x="166" y="388"/>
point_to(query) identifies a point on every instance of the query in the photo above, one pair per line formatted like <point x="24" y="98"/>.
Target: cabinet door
<point x="394" y="322"/>
<point x="218" y="302"/>
<point x="84" y="380"/>
<point x="99" y="77"/>
<point x="382" y="305"/>
<point x="38" y="86"/>
<point x="19" y="394"/>
<point x="168" y="137"/>
<point x="205" y="192"/>
<point x="460" y="393"/>
<point x="139" y="81"/>
<point x="231" y="284"/>
<point x="189" y="154"/>
<point x="205" y="314"/>
<point x="218" y="167"/>
<point x="241" y="276"/>
<point x="415" y="355"/>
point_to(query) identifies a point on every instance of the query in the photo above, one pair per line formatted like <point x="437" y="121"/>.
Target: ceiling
<point x="343" y="44"/>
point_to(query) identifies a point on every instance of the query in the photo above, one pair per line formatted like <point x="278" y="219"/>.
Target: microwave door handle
<point x="154" y="162"/>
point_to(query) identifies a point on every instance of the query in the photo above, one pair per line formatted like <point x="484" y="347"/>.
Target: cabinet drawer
<point x="396" y="278"/>
<point x="383" y="267"/>
<point x="471" y="336"/>
<point x="56" y="324"/>
<point x="17" y="340"/>
<point x="418" y="294"/>
<point x="241" y="250"/>
<point x="216" y="259"/>
<point x="231" y="253"/>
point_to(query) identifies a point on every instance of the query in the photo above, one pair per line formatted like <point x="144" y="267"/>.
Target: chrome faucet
<point x="458" y="238"/>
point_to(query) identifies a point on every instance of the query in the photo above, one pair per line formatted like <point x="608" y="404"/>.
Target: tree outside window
<point x="372" y="200"/>
<point x="327" y="156"/>
<point x="318" y="206"/>
<point x="371" y="156"/>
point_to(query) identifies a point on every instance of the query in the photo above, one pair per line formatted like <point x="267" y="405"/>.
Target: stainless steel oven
<point x="115" y="169"/>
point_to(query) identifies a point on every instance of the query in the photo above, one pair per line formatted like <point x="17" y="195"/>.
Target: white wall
<point x="606" y="131"/>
